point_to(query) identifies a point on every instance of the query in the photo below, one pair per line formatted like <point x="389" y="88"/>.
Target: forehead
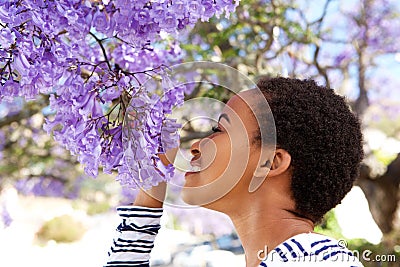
<point x="241" y="107"/>
<point x="244" y="100"/>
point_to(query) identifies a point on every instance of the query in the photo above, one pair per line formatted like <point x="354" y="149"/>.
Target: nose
<point x="195" y="149"/>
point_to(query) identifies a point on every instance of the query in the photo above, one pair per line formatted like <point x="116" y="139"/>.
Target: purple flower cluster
<point x="147" y="132"/>
<point x="371" y="27"/>
<point x="48" y="187"/>
<point x="93" y="58"/>
<point x="5" y="216"/>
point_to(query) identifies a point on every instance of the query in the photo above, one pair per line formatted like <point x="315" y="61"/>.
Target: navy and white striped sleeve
<point x="135" y="236"/>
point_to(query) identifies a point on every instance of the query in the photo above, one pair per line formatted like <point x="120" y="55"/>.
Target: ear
<point x="281" y="163"/>
<point x="259" y="175"/>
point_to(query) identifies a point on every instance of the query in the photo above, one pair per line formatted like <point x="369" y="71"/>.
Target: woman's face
<point x="227" y="158"/>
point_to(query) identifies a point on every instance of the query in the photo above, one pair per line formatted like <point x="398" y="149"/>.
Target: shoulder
<point x="311" y="249"/>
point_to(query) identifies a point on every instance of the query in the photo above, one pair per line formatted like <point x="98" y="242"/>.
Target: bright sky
<point x="388" y="66"/>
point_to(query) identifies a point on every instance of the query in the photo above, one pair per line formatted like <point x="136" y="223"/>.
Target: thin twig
<point x="102" y="49"/>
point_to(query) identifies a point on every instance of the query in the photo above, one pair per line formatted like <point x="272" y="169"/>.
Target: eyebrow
<point x="225" y="116"/>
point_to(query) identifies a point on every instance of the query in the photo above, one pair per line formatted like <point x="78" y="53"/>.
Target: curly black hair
<point x="323" y="137"/>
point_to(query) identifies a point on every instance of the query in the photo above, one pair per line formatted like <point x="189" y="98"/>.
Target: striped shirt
<point x="139" y="226"/>
<point x="311" y="249"/>
<point x="134" y="237"/>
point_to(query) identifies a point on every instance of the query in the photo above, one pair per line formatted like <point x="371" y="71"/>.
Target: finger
<point x="169" y="156"/>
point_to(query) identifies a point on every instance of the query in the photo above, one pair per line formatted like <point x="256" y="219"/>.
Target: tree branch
<point x="320" y="69"/>
<point x="103" y="50"/>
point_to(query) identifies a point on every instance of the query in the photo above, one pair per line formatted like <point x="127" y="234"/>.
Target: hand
<point x="154" y="197"/>
<point x="169" y="156"/>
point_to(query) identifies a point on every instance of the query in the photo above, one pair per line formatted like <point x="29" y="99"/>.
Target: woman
<point x="316" y="160"/>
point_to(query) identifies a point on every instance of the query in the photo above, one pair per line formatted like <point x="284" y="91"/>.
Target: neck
<point x="264" y="227"/>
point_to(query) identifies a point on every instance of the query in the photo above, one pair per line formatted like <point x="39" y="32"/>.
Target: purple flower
<point x="169" y="137"/>
<point x="100" y="21"/>
<point x="21" y="63"/>
<point x="143" y="16"/>
<point x="209" y="9"/>
<point x="91" y="141"/>
<point x="169" y="171"/>
<point x="91" y="165"/>
<point x="179" y="8"/>
<point x="170" y="22"/>
<point x="157" y="12"/>
<point x="7" y="37"/>
<point x="9" y="90"/>
<point x="29" y="91"/>
<point x="5" y="216"/>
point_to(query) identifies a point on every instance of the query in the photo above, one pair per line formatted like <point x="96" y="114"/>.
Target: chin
<point x="208" y="194"/>
<point x="201" y="197"/>
<point x="189" y="197"/>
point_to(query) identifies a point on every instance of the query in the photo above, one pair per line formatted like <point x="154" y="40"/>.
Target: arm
<point x="154" y="197"/>
<point x="140" y="223"/>
<point x="134" y="236"/>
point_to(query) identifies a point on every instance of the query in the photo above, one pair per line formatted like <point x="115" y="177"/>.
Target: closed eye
<point x="216" y="129"/>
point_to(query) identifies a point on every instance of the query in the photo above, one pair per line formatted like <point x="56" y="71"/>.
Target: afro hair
<point x="322" y="135"/>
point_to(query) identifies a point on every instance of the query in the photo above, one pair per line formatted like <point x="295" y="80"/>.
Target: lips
<point x="194" y="166"/>
<point x="195" y="169"/>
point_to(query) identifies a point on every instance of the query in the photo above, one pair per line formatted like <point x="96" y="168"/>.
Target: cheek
<point x="224" y="151"/>
<point x="232" y="159"/>
<point x="218" y="156"/>
<point x="233" y="152"/>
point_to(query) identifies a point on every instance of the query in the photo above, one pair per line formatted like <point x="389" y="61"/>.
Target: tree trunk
<point x="382" y="194"/>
